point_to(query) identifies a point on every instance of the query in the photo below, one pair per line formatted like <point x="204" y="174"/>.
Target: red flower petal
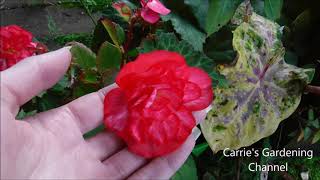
<point x="158" y="7"/>
<point x="146" y="61"/>
<point x="191" y="92"/>
<point x="198" y="77"/>
<point x="202" y="102"/>
<point x="163" y="134"/>
<point x="115" y="110"/>
<point x="203" y="81"/>
<point x="16" y="44"/>
<point x="149" y="15"/>
<point x="152" y="108"/>
<point x="3" y="64"/>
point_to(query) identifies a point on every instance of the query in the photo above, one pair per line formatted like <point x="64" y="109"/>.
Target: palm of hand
<point x="51" y="145"/>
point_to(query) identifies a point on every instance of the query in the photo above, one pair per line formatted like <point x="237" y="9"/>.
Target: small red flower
<point x="151" y="9"/>
<point x="15" y="45"/>
<point x="152" y="108"/>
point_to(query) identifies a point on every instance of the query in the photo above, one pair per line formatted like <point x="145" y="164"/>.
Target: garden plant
<point x="254" y="65"/>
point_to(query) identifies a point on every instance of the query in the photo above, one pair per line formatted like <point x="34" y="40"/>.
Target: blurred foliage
<point x="84" y="38"/>
<point x="90" y="5"/>
<point x="188" y="171"/>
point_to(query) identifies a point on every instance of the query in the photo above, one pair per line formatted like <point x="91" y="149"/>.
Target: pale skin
<point x="50" y="145"/>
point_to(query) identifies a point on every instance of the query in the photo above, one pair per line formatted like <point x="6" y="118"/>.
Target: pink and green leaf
<point x="263" y="89"/>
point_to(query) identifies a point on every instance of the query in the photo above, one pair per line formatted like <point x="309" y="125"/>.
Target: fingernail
<point x="208" y="109"/>
<point x="196" y="133"/>
<point x="67" y="47"/>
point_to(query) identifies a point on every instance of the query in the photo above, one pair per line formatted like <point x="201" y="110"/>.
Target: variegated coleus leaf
<point x="263" y="90"/>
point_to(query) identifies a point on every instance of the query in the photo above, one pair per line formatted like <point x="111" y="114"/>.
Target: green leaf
<point x="218" y="80"/>
<point x="199" y="9"/>
<point x="130" y="4"/>
<point x="82" y="89"/>
<point x="100" y="35"/>
<point x="315" y="123"/>
<point x="263" y="90"/>
<point x="258" y="6"/>
<point x="112" y="14"/>
<point x="306" y="133"/>
<point x="303" y="20"/>
<point x="22" y="114"/>
<point x="109" y="76"/>
<point x="94" y="132"/>
<point x="226" y="56"/>
<point x="219" y="14"/>
<point x="199" y="149"/>
<point x="291" y="58"/>
<point x="311" y="74"/>
<point x="219" y="46"/>
<point x="107" y="30"/>
<point x="310" y="114"/>
<point x="133" y="53"/>
<point x="168" y="41"/>
<point x="120" y="34"/>
<point x="109" y="57"/>
<point x="91" y="77"/>
<point x="316" y="137"/>
<point x="47" y="102"/>
<point x="111" y="28"/>
<point x="273" y="8"/>
<point x="83" y="56"/>
<point x="61" y="85"/>
<point x="188" y="171"/>
<point x="188" y="32"/>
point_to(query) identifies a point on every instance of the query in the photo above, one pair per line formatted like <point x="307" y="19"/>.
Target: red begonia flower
<point x="151" y="110"/>
<point x="151" y="9"/>
<point x="15" y="45"/>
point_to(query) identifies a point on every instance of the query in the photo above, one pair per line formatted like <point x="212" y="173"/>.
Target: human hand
<point x="50" y="145"/>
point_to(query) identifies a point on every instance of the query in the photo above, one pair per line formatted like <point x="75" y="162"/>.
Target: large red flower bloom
<point x="15" y="45"/>
<point x="152" y="108"/>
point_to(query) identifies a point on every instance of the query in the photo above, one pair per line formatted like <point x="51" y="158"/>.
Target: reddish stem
<point x="313" y="89"/>
<point x="129" y="38"/>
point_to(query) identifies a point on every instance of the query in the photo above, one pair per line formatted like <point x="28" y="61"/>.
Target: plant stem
<point x="88" y="12"/>
<point x="129" y="33"/>
<point x="313" y="89"/>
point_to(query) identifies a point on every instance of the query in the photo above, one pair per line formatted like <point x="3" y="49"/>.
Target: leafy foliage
<point x="273" y="8"/>
<point x="187" y="172"/>
<point x="83" y="56"/>
<point x="90" y="5"/>
<point x="219" y="14"/>
<point x="168" y="41"/>
<point x="264" y="91"/>
<point x="108" y="57"/>
<point x="188" y="32"/>
<point x="199" y="9"/>
<point x="199" y="149"/>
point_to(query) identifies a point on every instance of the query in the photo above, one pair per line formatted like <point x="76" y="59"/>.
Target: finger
<point x="201" y="115"/>
<point x="105" y="144"/>
<point x="87" y="111"/>
<point x="123" y="164"/>
<point x="164" y="167"/>
<point x="32" y="75"/>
